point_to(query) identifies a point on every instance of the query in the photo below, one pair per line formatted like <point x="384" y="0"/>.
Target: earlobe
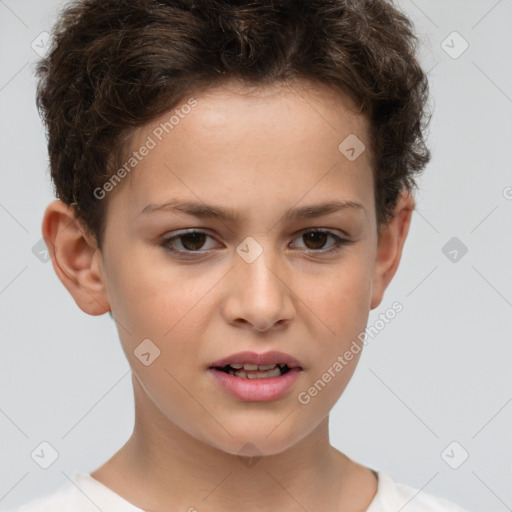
<point x="75" y="258"/>
<point x="390" y="246"/>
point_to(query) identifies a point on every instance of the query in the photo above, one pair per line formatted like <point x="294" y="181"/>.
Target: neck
<point x="162" y="464"/>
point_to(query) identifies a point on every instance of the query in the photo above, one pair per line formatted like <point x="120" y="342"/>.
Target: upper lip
<point x="272" y="357"/>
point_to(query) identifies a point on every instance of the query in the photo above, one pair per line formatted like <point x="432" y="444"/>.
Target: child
<point x="235" y="188"/>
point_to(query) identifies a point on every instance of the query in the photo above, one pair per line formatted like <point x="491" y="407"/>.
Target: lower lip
<point x="256" y="390"/>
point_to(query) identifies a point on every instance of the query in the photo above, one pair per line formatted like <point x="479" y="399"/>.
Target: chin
<point x="259" y="444"/>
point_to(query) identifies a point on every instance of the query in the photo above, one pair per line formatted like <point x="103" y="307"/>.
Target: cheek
<point x="341" y="298"/>
<point x="163" y="303"/>
<point x="150" y="294"/>
<point x="341" y="301"/>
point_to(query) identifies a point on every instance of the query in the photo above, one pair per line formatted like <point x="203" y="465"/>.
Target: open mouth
<point x="253" y="371"/>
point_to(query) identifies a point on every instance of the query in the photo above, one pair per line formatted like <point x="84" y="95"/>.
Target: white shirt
<point x="86" y="494"/>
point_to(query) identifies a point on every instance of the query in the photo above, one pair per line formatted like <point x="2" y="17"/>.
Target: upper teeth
<point x="261" y="367"/>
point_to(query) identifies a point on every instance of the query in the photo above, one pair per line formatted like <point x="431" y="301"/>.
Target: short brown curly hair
<point x="114" y="65"/>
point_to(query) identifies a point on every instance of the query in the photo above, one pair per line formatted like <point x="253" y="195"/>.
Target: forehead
<point x="232" y="138"/>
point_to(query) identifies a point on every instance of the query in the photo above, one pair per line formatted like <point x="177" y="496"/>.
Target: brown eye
<point x="193" y="241"/>
<point x="317" y="239"/>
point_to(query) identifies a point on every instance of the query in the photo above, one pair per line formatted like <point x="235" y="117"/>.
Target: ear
<point x="75" y="258"/>
<point x="390" y="245"/>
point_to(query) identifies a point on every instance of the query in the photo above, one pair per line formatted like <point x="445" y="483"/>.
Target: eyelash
<point x="338" y="245"/>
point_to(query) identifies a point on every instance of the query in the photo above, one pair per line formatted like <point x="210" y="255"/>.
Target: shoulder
<point x="66" y="497"/>
<point x="393" y="496"/>
<point x="81" y="493"/>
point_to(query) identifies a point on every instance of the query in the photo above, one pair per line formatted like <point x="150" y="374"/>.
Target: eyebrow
<point x="202" y="210"/>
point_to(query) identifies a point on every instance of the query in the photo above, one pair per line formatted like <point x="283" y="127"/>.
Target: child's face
<point x="259" y="156"/>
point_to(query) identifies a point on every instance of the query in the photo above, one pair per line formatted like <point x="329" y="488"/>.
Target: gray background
<point x="439" y="372"/>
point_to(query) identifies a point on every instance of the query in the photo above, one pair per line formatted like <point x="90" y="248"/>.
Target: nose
<point x="259" y="294"/>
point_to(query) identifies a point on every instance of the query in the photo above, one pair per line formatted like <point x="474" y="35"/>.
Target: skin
<point x="260" y="152"/>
